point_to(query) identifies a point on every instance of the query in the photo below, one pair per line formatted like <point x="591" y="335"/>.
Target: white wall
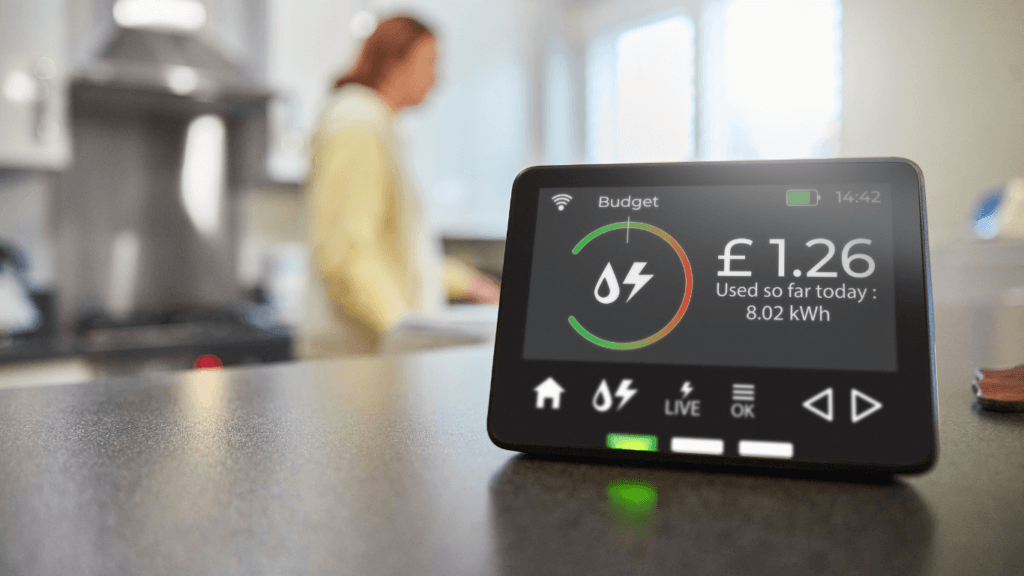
<point x="940" y="82"/>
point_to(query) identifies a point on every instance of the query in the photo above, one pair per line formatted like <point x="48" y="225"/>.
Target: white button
<point x="698" y="445"/>
<point x="763" y="449"/>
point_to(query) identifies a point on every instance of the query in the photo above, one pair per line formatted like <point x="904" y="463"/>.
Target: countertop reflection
<point x="383" y="466"/>
<point x="702" y="523"/>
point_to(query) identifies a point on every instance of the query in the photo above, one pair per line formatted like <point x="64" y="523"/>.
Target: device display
<point x="753" y="313"/>
<point x="760" y="276"/>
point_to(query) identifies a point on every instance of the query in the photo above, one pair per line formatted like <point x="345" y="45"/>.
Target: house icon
<point x="549" y="390"/>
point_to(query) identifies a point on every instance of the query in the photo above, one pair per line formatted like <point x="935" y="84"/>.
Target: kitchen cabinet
<point x="33" y="86"/>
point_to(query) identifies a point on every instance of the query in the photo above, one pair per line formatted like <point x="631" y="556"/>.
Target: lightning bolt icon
<point x="637" y="279"/>
<point x="686" y="389"/>
<point x="624" y="391"/>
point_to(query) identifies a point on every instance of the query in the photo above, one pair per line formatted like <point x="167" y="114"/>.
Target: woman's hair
<point x="389" y="44"/>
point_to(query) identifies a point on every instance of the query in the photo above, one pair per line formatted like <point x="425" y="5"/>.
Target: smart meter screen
<point x="749" y="276"/>
<point x="766" y="314"/>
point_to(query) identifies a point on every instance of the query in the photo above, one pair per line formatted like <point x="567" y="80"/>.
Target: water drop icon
<point x="607" y="277"/>
<point x="603" y="397"/>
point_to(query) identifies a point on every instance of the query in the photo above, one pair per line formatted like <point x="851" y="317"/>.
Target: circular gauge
<point x="658" y="335"/>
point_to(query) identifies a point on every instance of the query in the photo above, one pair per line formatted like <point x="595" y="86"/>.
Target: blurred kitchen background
<point x="153" y="152"/>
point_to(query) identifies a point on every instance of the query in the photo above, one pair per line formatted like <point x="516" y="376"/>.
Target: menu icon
<point x="742" y="401"/>
<point x="742" y="392"/>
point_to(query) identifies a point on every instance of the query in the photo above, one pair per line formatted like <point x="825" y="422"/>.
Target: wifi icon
<point x="561" y="200"/>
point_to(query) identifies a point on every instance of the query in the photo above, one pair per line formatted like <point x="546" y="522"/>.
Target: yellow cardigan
<point x="367" y="268"/>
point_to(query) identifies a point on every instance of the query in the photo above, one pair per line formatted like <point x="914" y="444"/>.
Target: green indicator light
<point x="633" y="497"/>
<point x="633" y="442"/>
<point x="802" y="197"/>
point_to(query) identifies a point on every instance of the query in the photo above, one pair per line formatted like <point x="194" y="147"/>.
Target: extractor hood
<point x="170" y="62"/>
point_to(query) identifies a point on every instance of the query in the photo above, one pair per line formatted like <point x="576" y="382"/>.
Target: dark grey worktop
<point x="383" y="466"/>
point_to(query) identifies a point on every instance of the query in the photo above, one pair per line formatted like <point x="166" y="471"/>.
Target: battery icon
<point x="802" y="197"/>
<point x="633" y="442"/>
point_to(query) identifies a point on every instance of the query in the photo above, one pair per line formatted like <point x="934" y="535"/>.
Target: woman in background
<point x="373" y="262"/>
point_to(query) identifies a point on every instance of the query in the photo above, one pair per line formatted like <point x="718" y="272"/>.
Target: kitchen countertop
<point x="35" y="349"/>
<point x="383" y="466"/>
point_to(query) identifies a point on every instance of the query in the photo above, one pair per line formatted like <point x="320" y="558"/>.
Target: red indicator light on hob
<point x="207" y="362"/>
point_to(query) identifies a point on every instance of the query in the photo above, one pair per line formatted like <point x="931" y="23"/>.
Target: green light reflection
<point x="632" y="497"/>
<point x="633" y="505"/>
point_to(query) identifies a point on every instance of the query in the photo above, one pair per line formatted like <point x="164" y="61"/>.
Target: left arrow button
<point x="821" y="404"/>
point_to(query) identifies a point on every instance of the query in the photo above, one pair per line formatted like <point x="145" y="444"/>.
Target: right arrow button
<point x="862" y="405"/>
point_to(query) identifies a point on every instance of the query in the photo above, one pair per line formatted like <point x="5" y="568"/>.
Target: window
<point x="769" y="74"/>
<point x="641" y="94"/>
<point x="781" y="79"/>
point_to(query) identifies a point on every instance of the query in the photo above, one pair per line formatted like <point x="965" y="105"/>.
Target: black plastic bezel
<point x="914" y="323"/>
